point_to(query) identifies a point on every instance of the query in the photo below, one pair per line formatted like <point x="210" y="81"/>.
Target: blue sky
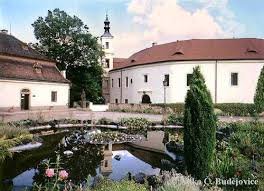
<point x="137" y="23"/>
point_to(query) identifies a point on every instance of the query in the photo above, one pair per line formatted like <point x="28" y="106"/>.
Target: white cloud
<point x="163" y="21"/>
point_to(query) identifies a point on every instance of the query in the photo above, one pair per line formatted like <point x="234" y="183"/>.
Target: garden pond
<point x="145" y="157"/>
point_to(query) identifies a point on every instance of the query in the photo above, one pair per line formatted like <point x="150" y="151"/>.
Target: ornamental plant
<point x="199" y="127"/>
<point x="259" y="95"/>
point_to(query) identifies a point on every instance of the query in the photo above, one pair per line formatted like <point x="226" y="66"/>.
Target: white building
<point x="231" y="68"/>
<point x="28" y="80"/>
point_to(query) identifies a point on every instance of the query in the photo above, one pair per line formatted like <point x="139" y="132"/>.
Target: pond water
<point x="113" y="161"/>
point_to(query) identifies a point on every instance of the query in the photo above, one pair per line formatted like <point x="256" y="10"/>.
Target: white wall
<point x="248" y="73"/>
<point x="109" y="53"/>
<point x="40" y="93"/>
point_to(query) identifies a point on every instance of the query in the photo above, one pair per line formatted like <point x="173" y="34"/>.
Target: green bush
<point x="173" y="119"/>
<point x="259" y="94"/>
<point x="104" y="121"/>
<point x="9" y="131"/>
<point x="124" y="185"/>
<point x="236" y="109"/>
<point x="135" y="123"/>
<point x="199" y="127"/>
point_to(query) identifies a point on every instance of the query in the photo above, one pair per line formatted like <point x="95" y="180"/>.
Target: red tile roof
<point x="10" y="45"/>
<point x="197" y="49"/>
<point x="22" y="70"/>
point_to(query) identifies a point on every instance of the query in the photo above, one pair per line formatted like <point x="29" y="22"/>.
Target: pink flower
<point x="63" y="174"/>
<point x="49" y="172"/>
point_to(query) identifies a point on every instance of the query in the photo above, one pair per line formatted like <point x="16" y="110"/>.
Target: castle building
<point x="162" y="73"/>
<point x="29" y="80"/>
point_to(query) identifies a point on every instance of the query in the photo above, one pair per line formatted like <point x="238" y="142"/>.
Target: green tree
<point x="199" y="127"/>
<point x="67" y="40"/>
<point x="259" y="94"/>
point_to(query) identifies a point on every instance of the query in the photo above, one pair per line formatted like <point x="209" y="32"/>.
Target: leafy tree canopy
<point x="67" y="40"/>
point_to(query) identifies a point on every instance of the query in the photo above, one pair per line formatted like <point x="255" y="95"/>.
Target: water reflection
<point x="113" y="161"/>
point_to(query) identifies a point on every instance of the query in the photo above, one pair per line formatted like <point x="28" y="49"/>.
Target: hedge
<point x="236" y="109"/>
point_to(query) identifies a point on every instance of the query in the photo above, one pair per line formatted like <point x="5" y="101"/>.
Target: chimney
<point x="154" y="44"/>
<point x="4" y="31"/>
<point x="63" y="73"/>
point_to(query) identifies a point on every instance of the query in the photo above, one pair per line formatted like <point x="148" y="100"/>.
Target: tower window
<point x="234" y="79"/>
<point x="131" y="81"/>
<point x="116" y="100"/>
<point x="107" y="63"/>
<point x="126" y="100"/>
<point x="106" y="45"/>
<point x="112" y="83"/>
<point x="145" y="78"/>
<point x="189" y="79"/>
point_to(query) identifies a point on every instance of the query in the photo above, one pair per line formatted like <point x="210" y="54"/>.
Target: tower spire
<point x="107" y="27"/>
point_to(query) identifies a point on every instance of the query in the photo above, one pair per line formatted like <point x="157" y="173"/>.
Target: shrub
<point x="104" y="121"/>
<point x="199" y="127"/>
<point x="259" y="94"/>
<point x="135" y="123"/>
<point x="173" y="119"/>
<point x="236" y="109"/>
<point x="108" y="185"/>
<point x="10" y="131"/>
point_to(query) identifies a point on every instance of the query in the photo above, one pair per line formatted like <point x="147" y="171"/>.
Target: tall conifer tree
<point x="199" y="127"/>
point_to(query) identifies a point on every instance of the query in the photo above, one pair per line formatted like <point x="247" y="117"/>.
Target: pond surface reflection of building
<point x="106" y="163"/>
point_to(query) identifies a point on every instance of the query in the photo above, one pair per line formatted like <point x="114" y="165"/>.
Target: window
<point x="107" y="63"/>
<point x="106" y="163"/>
<point x="126" y="100"/>
<point x="116" y="100"/>
<point x="234" y="79"/>
<point x="145" y="78"/>
<point x="189" y="79"/>
<point x="167" y="79"/>
<point x="131" y="81"/>
<point x="106" y="83"/>
<point x="119" y="82"/>
<point x="53" y="96"/>
<point x="106" y="45"/>
<point x="126" y="81"/>
<point x="112" y="83"/>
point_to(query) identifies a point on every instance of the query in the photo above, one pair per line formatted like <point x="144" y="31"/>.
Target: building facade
<point x="28" y="80"/>
<point x="162" y="73"/>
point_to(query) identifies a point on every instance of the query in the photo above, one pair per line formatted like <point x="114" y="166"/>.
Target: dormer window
<point x="38" y="68"/>
<point x="133" y="60"/>
<point x="24" y="46"/>
<point x="178" y="53"/>
<point x="252" y="50"/>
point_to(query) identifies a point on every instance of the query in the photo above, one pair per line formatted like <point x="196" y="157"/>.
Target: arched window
<point x="146" y="99"/>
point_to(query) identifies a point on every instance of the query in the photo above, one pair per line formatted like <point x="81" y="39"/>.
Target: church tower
<point x="107" y="60"/>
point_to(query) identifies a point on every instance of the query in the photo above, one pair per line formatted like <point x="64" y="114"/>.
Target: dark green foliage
<point x="199" y="127"/>
<point x="259" y="95"/>
<point x="236" y="109"/>
<point x="67" y="40"/>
